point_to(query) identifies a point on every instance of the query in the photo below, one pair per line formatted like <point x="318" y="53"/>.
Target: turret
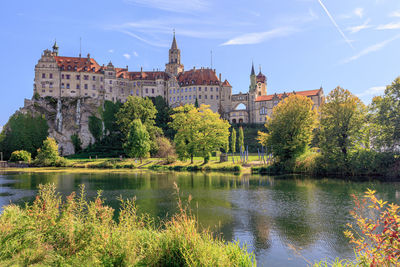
<point x="252" y="86"/>
<point x="174" y="66"/>
<point x="55" y="48"/>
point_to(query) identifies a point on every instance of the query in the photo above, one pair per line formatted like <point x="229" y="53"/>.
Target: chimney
<point x="141" y="69"/>
<point x="126" y="67"/>
<point x="220" y="77"/>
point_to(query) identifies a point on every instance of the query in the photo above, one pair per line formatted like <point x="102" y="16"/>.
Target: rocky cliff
<point x="66" y="117"/>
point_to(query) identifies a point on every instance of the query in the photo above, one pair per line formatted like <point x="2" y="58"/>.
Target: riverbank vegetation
<point x="77" y="232"/>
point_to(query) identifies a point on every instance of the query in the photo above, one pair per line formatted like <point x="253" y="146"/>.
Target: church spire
<point x="252" y="69"/>
<point x="174" y="45"/>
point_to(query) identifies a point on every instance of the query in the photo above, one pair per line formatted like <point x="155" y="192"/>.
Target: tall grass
<point x="77" y="232"/>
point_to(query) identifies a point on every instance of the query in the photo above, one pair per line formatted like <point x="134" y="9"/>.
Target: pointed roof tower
<point x="174" y="45"/>
<point x="252" y="69"/>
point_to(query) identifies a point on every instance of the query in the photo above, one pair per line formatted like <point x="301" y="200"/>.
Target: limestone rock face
<point x="66" y="117"/>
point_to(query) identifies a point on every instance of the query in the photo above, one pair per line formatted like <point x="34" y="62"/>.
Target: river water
<point x="284" y="220"/>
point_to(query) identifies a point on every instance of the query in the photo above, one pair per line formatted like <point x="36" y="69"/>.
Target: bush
<point x="77" y="232"/>
<point x="48" y="154"/>
<point x="76" y="142"/>
<point x="20" y="155"/>
<point x="165" y="148"/>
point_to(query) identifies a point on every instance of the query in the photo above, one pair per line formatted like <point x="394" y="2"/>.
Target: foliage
<point x="76" y="142"/>
<point x="36" y="96"/>
<point x="163" y="116"/>
<point x="385" y="119"/>
<point x="165" y="148"/>
<point x="233" y="140"/>
<point x="48" y="154"/>
<point x="109" y="116"/>
<point x="138" y="108"/>
<point x="290" y="128"/>
<point x="241" y="139"/>
<point x="23" y="132"/>
<point x="200" y="131"/>
<point x="137" y="144"/>
<point x="250" y="132"/>
<point x="376" y="234"/>
<point x="20" y="155"/>
<point x="96" y="128"/>
<point x="341" y="127"/>
<point x="77" y="232"/>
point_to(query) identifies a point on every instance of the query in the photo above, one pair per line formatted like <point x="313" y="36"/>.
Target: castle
<point x="82" y="78"/>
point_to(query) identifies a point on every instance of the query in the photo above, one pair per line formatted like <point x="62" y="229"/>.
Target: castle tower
<point x="261" y="80"/>
<point x="253" y="85"/>
<point x="174" y="66"/>
<point x="55" y="48"/>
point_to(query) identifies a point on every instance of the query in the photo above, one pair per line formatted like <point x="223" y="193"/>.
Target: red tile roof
<point x="198" y="77"/>
<point x="138" y="75"/>
<point x="304" y="93"/>
<point x="77" y="64"/>
<point x="261" y="77"/>
<point x="226" y="83"/>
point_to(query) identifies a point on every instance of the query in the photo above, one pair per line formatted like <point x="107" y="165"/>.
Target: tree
<point x="108" y="115"/>
<point x="20" y="155"/>
<point x="143" y="109"/>
<point x="196" y="103"/>
<point x="76" y="142"/>
<point x="163" y="116"/>
<point x="137" y="143"/>
<point x="241" y="138"/>
<point x="385" y="119"/>
<point x="165" y="148"/>
<point x="23" y="132"/>
<point x="342" y="121"/>
<point x="48" y="155"/>
<point x="233" y="140"/>
<point x="289" y="127"/>
<point x="199" y="131"/>
<point x="96" y="128"/>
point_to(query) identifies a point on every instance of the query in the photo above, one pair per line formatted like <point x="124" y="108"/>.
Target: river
<point x="284" y="220"/>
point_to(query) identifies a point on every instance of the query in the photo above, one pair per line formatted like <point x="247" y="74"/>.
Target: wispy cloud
<point x="355" y="29"/>
<point x="259" y="37"/>
<point x="373" y="91"/>
<point x="359" y="12"/>
<point x="395" y="14"/>
<point x="371" y="49"/>
<point x="389" y="26"/>
<point x="135" y="54"/>
<point x="335" y="24"/>
<point x="149" y="42"/>
<point x="181" y="6"/>
<point x="111" y="51"/>
<point x="127" y="56"/>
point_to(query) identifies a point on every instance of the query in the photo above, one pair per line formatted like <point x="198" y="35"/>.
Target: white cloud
<point x="335" y="24"/>
<point x="135" y="54"/>
<point x="361" y="27"/>
<point x="395" y="14"/>
<point x="371" y="49"/>
<point x="111" y="51"/>
<point x="127" y="56"/>
<point x="182" y="6"/>
<point x="259" y="37"/>
<point x="373" y="91"/>
<point x="359" y="12"/>
<point x="389" y="26"/>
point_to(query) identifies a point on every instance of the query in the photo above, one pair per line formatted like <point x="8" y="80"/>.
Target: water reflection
<point x="272" y="215"/>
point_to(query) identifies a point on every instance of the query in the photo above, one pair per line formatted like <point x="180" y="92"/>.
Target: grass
<point x="77" y="232"/>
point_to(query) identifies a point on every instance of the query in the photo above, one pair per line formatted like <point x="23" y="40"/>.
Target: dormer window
<point x="75" y="68"/>
<point x="69" y="67"/>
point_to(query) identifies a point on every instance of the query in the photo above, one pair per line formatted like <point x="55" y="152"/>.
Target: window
<point x="101" y="87"/>
<point x="51" y="75"/>
<point x="51" y="85"/>
<point x="216" y="97"/>
<point x="205" y="97"/>
<point x="211" y="89"/>
<point x="174" y="99"/>
<point x="205" y="89"/>
<point x="43" y="85"/>
<point x="185" y="97"/>
<point x="194" y="89"/>
<point x="174" y="91"/>
<point x="199" y="89"/>
<point x="43" y="75"/>
<point x="78" y="77"/>
<point x="67" y="85"/>
<point x="101" y="79"/>
<point x="170" y="99"/>
<point x="137" y="92"/>
<point x="86" y="86"/>
<point x="194" y="97"/>
<point x="94" y="78"/>
<point x="51" y="91"/>
<point x="62" y="86"/>
<point x="110" y="89"/>
<point x="216" y="89"/>
<point x="190" y="89"/>
<point x="110" y="82"/>
<point x="43" y="91"/>
<point x="170" y="91"/>
<point x="190" y="97"/>
<point x="182" y="98"/>
<point x="62" y="76"/>
<point x="94" y="87"/>
<point x="211" y="96"/>
<point x="147" y="91"/>
<point x="152" y="91"/>
<point x="86" y="77"/>
<point x="199" y="96"/>
<point x="68" y="76"/>
<point x="186" y="90"/>
<point x="77" y="86"/>
<point x="85" y="93"/>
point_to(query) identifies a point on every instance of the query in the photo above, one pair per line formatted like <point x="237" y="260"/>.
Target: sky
<point x="299" y="44"/>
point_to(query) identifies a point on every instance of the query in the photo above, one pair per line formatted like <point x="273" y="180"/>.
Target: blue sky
<point x="300" y="44"/>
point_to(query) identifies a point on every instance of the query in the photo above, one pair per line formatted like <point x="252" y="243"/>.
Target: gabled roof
<point x="140" y="75"/>
<point x="226" y="83"/>
<point x="304" y="93"/>
<point x="86" y="64"/>
<point x="198" y="77"/>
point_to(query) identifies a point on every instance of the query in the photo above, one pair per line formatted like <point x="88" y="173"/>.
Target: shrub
<point x="77" y="232"/>
<point x="48" y="154"/>
<point x="76" y="142"/>
<point x="165" y="148"/>
<point x="20" y="155"/>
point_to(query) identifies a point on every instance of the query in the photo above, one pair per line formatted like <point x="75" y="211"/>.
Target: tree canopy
<point x="199" y="131"/>
<point x="290" y="127"/>
<point x="137" y="143"/>
<point x="342" y="121"/>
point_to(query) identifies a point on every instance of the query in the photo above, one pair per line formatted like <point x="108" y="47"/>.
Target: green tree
<point x="290" y="128"/>
<point x="341" y="126"/>
<point x="241" y="138"/>
<point x="137" y="143"/>
<point x="233" y="140"/>
<point x="20" y="155"/>
<point x="163" y="116"/>
<point x="96" y="128"/>
<point x="196" y="103"/>
<point x="385" y="118"/>
<point x="48" y="155"/>
<point x="77" y="143"/>
<point x="199" y="131"/>
<point x="143" y="109"/>
<point x="108" y="115"/>
<point x="23" y="132"/>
